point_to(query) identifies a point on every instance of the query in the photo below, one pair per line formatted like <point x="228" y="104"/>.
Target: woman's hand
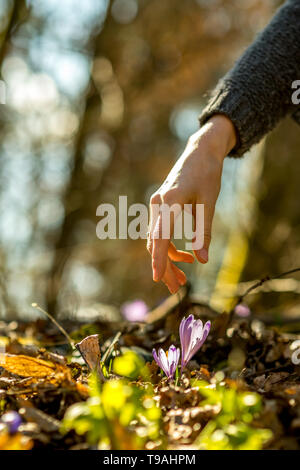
<point x="194" y="179"/>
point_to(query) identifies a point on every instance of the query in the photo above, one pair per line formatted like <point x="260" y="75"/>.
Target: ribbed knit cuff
<point x="237" y="108"/>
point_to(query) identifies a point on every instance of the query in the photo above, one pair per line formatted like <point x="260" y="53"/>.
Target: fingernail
<point x="203" y="253"/>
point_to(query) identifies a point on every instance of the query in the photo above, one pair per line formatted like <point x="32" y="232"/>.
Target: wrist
<point x="218" y="136"/>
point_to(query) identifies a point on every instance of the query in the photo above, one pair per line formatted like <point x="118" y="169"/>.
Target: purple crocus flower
<point x="167" y="362"/>
<point x="12" y="420"/>
<point x="242" y="310"/>
<point x="135" y="311"/>
<point x="192" y="336"/>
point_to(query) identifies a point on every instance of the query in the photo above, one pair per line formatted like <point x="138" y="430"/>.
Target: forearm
<point x="257" y="92"/>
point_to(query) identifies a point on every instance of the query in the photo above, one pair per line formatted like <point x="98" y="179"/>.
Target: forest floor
<point x="240" y="391"/>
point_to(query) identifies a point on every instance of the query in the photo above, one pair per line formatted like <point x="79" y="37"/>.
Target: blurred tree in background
<point x="101" y="97"/>
<point x="275" y="241"/>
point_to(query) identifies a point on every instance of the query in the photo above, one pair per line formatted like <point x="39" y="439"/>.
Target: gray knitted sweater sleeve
<point x="258" y="91"/>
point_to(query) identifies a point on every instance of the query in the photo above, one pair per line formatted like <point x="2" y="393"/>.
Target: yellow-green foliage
<point x="232" y="428"/>
<point x="113" y="408"/>
<point x="130" y="365"/>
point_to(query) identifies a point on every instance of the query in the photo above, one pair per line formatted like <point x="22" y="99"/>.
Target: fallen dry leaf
<point x="90" y="351"/>
<point x="27" y="366"/>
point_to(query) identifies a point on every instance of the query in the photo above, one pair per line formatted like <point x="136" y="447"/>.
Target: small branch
<point x="168" y="305"/>
<point x="282" y="285"/>
<point x="258" y="284"/>
<point x="111" y="346"/>
<point x="63" y="331"/>
<point x="262" y="281"/>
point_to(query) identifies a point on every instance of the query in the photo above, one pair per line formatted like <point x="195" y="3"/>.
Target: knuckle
<point x="170" y="197"/>
<point x="155" y="198"/>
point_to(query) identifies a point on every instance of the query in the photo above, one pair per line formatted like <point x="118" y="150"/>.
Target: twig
<point x="262" y="281"/>
<point x="168" y="305"/>
<point x="258" y="284"/>
<point x="288" y="284"/>
<point x="110" y="347"/>
<point x="63" y="331"/>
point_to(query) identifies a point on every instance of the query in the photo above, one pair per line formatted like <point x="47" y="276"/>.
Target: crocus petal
<point x="199" y="341"/>
<point x="197" y="332"/>
<point x="158" y="359"/>
<point x="185" y="332"/>
<point x="173" y="358"/>
<point x="172" y="370"/>
<point x="155" y="356"/>
<point x="205" y="332"/>
<point x="189" y="338"/>
<point x="181" y="328"/>
<point x="172" y="354"/>
<point x="167" y="363"/>
<point x="178" y="355"/>
<point x="181" y="333"/>
<point x="192" y="336"/>
<point x="164" y="361"/>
